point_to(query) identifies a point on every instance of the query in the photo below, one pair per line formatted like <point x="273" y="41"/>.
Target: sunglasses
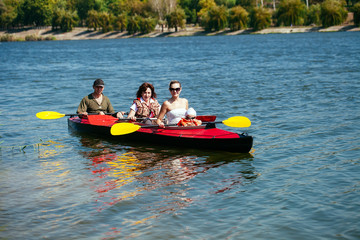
<point x="174" y="89"/>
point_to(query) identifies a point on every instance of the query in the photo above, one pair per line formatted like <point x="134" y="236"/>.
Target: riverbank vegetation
<point x="142" y="16"/>
<point x="30" y="37"/>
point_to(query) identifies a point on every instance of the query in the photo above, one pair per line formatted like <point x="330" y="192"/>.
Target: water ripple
<point x="300" y="180"/>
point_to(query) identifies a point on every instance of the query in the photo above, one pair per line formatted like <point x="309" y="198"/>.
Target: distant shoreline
<point x="78" y="33"/>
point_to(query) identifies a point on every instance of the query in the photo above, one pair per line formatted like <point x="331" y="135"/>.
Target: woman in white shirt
<point x="174" y="108"/>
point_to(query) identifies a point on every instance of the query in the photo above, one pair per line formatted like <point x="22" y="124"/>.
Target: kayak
<point x="206" y="136"/>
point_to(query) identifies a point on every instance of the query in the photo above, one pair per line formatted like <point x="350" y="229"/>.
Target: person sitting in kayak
<point x="97" y="102"/>
<point x="145" y="105"/>
<point x="175" y="107"/>
<point x="190" y="119"/>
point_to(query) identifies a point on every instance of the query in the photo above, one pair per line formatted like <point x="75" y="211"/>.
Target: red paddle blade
<point x="101" y="120"/>
<point x="206" y="118"/>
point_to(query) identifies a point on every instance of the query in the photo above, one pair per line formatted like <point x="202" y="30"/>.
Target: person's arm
<point x="131" y="115"/>
<point x="158" y="109"/>
<point x="109" y="108"/>
<point x="132" y="112"/>
<point x="162" y="113"/>
<point x="82" y="107"/>
<point x="197" y="122"/>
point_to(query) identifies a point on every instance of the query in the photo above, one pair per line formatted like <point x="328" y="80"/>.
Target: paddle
<point x="126" y="128"/>
<point x="56" y="115"/>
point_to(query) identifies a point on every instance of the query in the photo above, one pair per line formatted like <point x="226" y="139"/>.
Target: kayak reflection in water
<point x="145" y="105"/>
<point x="97" y="102"/>
<point x="190" y="119"/>
<point x="175" y="107"/>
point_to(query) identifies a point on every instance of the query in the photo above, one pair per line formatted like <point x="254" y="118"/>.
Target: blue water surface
<point x="300" y="181"/>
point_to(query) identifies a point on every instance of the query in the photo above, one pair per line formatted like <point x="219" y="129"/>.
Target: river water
<point x="300" y="181"/>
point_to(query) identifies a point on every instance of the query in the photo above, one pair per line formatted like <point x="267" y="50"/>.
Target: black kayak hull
<point x="242" y="143"/>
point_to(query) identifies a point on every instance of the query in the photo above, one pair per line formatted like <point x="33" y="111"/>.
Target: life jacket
<point x="189" y="122"/>
<point x="144" y="111"/>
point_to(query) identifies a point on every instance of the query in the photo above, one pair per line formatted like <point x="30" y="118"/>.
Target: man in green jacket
<point x="97" y="102"/>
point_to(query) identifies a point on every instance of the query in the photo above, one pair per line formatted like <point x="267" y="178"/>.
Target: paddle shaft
<point x="77" y="114"/>
<point x="173" y="125"/>
<point x="126" y="119"/>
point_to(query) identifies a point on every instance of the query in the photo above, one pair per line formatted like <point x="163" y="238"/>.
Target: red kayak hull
<point x="192" y="137"/>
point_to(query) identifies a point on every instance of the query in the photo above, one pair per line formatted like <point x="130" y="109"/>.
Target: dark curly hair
<point x="144" y="87"/>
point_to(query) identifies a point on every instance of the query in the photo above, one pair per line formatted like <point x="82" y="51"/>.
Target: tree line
<point x="144" y="15"/>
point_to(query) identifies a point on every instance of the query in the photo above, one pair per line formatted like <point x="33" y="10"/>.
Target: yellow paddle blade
<point x="238" y="121"/>
<point x="123" y="128"/>
<point x="49" y="115"/>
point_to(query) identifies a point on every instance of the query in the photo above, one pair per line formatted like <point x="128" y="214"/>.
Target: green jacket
<point x="89" y="104"/>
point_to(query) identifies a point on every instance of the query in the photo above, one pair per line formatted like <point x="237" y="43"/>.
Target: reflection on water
<point x="45" y="151"/>
<point x="131" y="185"/>
<point x="163" y="176"/>
<point x="52" y="171"/>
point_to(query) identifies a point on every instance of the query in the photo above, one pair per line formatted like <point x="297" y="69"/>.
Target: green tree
<point x="64" y="16"/>
<point x="247" y="4"/>
<point x="136" y="7"/>
<point x="105" y="20"/>
<point x="238" y="18"/>
<point x="8" y="13"/>
<point x="36" y="12"/>
<point x="227" y="3"/>
<point x="93" y="20"/>
<point x="312" y="2"/>
<point x="191" y="9"/>
<point x="333" y="13"/>
<point x="176" y="19"/>
<point x="133" y="25"/>
<point x="84" y="6"/>
<point x="58" y="13"/>
<point x="70" y="5"/>
<point x="120" y="22"/>
<point x="117" y="7"/>
<point x="68" y="21"/>
<point x="291" y="12"/>
<point x="260" y="18"/>
<point x="357" y="14"/>
<point x="205" y="7"/>
<point x="215" y="19"/>
<point x="2" y="7"/>
<point x="313" y="15"/>
<point x="147" y="25"/>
